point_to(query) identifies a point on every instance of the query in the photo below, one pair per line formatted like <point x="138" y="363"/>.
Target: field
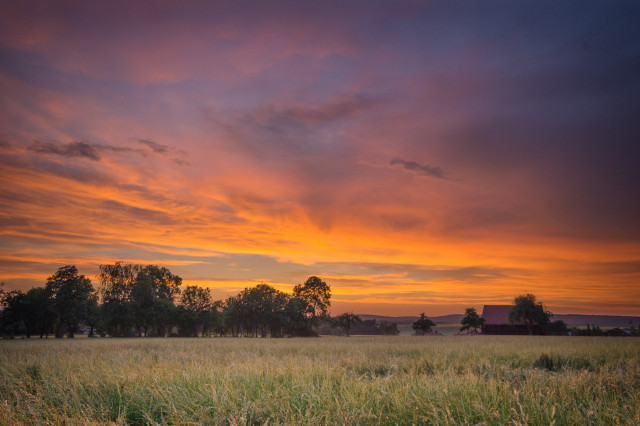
<point x="328" y="380"/>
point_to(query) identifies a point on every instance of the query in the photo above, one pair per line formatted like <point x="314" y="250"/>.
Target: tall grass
<point x="358" y="380"/>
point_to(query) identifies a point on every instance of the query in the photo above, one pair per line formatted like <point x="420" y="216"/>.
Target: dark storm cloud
<point x="417" y="168"/>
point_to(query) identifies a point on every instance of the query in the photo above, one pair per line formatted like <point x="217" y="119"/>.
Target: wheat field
<point x="328" y="380"/>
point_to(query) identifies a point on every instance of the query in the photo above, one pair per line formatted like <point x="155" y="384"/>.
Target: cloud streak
<point x="73" y="149"/>
<point x="417" y="168"/>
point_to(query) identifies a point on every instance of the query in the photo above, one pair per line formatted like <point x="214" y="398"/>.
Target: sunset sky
<point x="418" y="156"/>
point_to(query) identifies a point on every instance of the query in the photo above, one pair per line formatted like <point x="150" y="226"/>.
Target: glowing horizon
<point x="426" y="158"/>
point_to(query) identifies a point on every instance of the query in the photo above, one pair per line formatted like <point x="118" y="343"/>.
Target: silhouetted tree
<point x="117" y="282"/>
<point x="346" y="321"/>
<point x="93" y="316"/>
<point x="70" y="295"/>
<point x="424" y="324"/>
<point x="195" y="306"/>
<point x="152" y="288"/>
<point x="39" y="312"/>
<point x="214" y="318"/>
<point x="234" y="315"/>
<point x="297" y="322"/>
<point x="389" y="328"/>
<point x="528" y="309"/>
<point x="558" y="328"/>
<point x="317" y="294"/>
<point x="471" y="320"/>
<point x="13" y="313"/>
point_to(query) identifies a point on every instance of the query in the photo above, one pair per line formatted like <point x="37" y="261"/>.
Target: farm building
<point x="496" y="321"/>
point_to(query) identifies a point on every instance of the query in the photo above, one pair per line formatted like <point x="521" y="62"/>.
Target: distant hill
<point x="397" y="320"/>
<point x="570" y="319"/>
<point x="600" y="320"/>
<point x="444" y="319"/>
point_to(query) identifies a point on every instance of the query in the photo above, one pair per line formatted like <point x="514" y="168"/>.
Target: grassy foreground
<point x="357" y="380"/>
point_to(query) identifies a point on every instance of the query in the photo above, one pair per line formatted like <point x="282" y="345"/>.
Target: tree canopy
<point x="528" y="309"/>
<point x="316" y="294"/>
<point x="70" y="295"/>
<point x="471" y="319"/>
<point x="347" y="321"/>
<point x="146" y="301"/>
<point x="423" y="324"/>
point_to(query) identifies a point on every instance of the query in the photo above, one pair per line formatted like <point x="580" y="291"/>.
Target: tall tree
<point x="39" y="313"/>
<point x="94" y="315"/>
<point x="159" y="289"/>
<point x="194" y="310"/>
<point x="424" y="324"/>
<point x="265" y="309"/>
<point x="471" y="320"/>
<point x="70" y="295"/>
<point x="233" y="315"/>
<point x="316" y="294"/>
<point x="165" y="285"/>
<point x="116" y="284"/>
<point x="12" y="314"/>
<point x="528" y="309"/>
<point x="296" y="320"/>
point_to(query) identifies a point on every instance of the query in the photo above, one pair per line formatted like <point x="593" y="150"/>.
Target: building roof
<point x="497" y="314"/>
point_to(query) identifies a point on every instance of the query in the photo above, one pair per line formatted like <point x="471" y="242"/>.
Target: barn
<point x="496" y="321"/>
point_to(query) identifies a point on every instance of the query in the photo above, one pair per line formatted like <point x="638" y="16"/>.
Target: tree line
<point x="136" y="300"/>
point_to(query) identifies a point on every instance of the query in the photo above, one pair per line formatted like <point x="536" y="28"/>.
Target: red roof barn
<point x="496" y="321"/>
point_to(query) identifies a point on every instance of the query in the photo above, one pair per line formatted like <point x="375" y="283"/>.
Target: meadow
<point x="328" y="380"/>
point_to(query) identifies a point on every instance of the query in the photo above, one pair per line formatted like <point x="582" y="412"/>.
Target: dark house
<point x="496" y="321"/>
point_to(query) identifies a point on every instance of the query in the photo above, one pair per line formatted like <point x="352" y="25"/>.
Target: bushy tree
<point x="317" y="294"/>
<point x="194" y="310"/>
<point x="138" y="296"/>
<point x="423" y="324"/>
<point x="13" y="313"/>
<point x="153" y="290"/>
<point x="94" y="316"/>
<point x="39" y="312"/>
<point x="297" y="322"/>
<point x="70" y="295"/>
<point x="235" y="315"/>
<point x="117" y="281"/>
<point x="558" y="328"/>
<point x="389" y="328"/>
<point x="528" y="309"/>
<point x="471" y="320"/>
<point x="346" y="321"/>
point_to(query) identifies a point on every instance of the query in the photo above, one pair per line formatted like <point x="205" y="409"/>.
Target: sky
<point x="419" y="156"/>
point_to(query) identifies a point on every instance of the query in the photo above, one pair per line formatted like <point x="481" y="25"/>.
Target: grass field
<point x="329" y="380"/>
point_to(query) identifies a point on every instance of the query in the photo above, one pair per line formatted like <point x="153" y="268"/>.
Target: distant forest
<point x="145" y="301"/>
